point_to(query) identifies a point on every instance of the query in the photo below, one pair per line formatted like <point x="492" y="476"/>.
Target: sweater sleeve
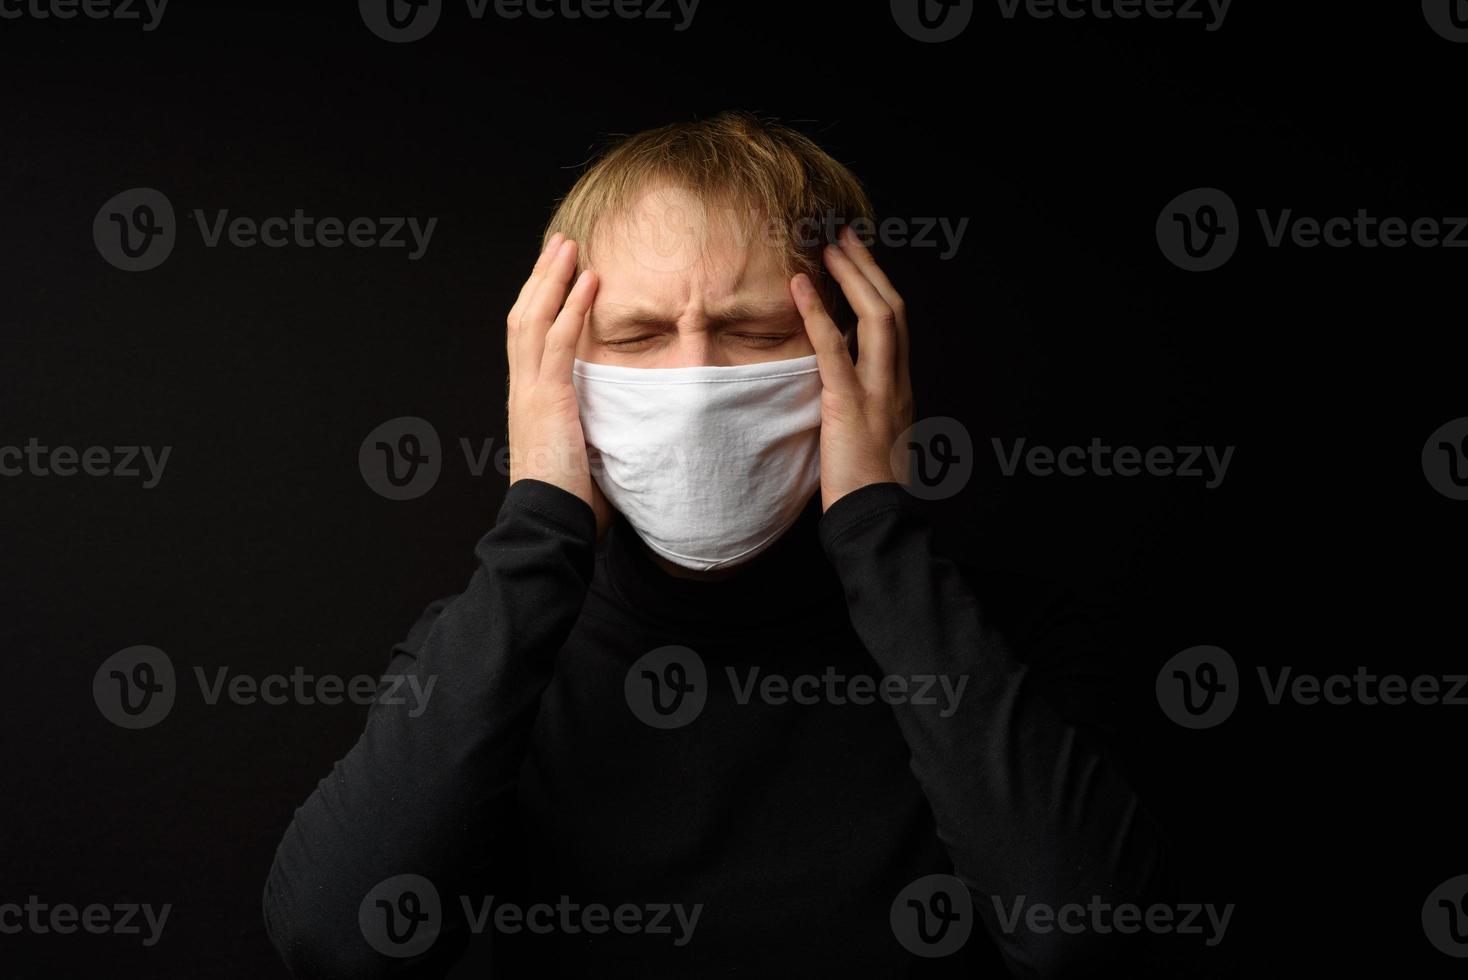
<point x="428" y="787"/>
<point x="1028" y="804"/>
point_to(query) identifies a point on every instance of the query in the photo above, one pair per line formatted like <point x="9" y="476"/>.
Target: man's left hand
<point x="866" y="404"/>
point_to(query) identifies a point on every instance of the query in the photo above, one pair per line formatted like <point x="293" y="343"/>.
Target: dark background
<point x="1059" y="319"/>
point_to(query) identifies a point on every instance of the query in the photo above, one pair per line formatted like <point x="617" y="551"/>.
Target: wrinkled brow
<point x="625" y="314"/>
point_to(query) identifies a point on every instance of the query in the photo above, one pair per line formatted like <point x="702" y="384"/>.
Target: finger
<point x="876" y="324"/>
<point x="850" y="243"/>
<point x="560" y="340"/>
<point x="542" y="307"/>
<point x="833" y="357"/>
<point x="527" y="289"/>
<point x="857" y="250"/>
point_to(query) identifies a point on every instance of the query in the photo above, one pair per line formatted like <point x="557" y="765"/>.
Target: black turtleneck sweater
<point x="757" y="803"/>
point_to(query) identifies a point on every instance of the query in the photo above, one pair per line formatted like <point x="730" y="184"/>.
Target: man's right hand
<point x="546" y="441"/>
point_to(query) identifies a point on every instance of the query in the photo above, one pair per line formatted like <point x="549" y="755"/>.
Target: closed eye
<point x="627" y="342"/>
<point x="763" y="339"/>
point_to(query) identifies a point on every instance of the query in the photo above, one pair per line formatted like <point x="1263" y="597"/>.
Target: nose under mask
<point x="710" y="465"/>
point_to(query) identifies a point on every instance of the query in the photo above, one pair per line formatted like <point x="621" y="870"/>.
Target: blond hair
<point x="755" y="169"/>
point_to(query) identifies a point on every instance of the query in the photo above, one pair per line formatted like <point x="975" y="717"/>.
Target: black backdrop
<point x="1059" y="319"/>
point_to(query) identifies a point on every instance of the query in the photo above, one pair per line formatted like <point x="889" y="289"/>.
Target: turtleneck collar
<point x="790" y="577"/>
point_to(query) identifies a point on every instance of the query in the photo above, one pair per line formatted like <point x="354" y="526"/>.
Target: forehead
<point x="670" y="244"/>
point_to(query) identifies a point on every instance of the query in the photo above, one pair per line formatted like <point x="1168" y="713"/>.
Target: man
<point x="765" y="729"/>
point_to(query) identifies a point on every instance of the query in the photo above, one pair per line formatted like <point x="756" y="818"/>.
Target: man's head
<point x="694" y="231"/>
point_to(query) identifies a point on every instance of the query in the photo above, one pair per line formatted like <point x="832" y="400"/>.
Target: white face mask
<point x="710" y="465"/>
